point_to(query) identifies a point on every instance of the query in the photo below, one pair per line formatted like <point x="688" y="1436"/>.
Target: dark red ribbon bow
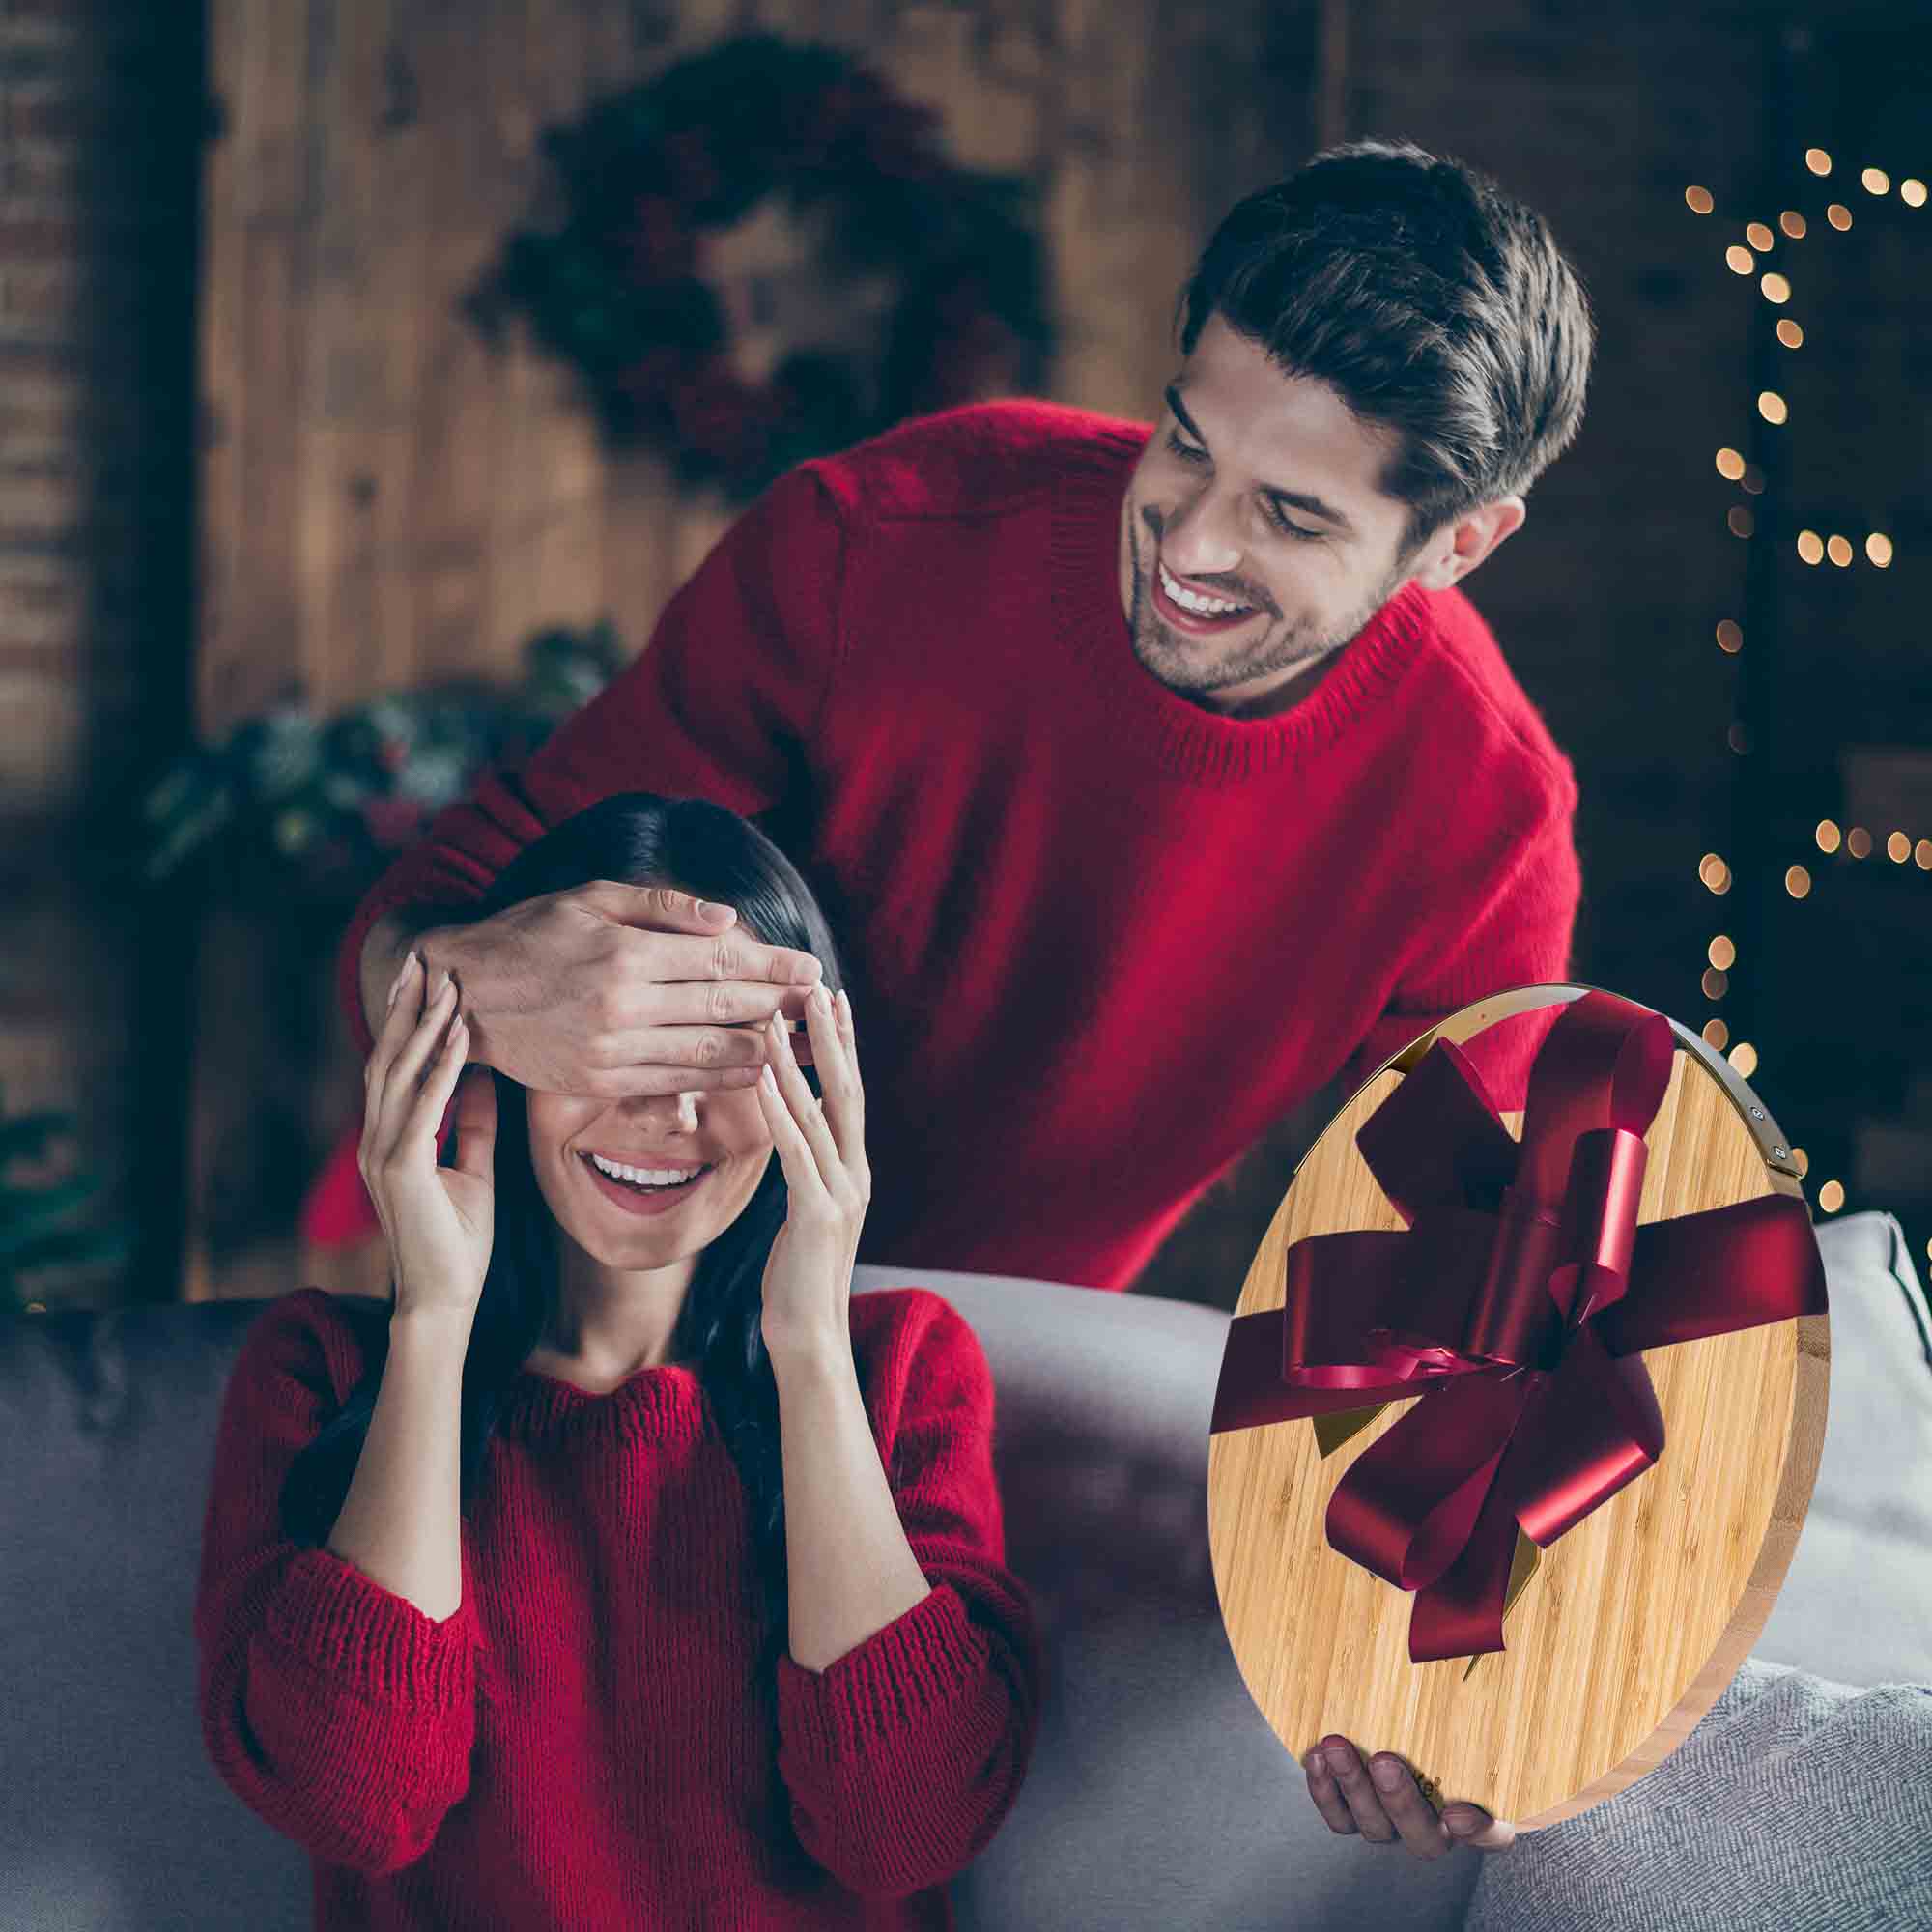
<point x="1519" y="1303"/>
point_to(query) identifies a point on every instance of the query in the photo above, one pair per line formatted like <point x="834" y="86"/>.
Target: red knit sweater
<point x="587" y="1740"/>
<point x="1099" y="938"/>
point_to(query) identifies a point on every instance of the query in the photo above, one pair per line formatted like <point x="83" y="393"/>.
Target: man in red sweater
<point x="1153" y="780"/>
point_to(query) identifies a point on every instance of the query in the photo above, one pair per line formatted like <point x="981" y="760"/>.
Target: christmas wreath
<point x="766" y="255"/>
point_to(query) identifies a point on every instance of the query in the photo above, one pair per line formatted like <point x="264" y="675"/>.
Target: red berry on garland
<point x="695" y="175"/>
<point x="719" y="416"/>
<point x="659" y="245"/>
<point x="392" y="822"/>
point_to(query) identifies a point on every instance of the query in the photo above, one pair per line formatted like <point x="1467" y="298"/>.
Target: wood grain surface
<point x="1637" y="1618"/>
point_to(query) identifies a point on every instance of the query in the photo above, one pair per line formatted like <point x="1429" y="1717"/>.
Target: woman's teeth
<point x="645" y="1178"/>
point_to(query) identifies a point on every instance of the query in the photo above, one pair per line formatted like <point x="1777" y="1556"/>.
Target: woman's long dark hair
<point x="636" y="839"/>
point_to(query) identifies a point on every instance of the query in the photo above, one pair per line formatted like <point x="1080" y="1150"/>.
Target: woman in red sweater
<point x="627" y="1571"/>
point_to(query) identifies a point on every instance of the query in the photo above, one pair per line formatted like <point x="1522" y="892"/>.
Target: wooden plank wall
<point x="387" y="501"/>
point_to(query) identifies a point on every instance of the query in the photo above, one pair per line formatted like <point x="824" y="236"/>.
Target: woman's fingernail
<point x="711" y="909"/>
<point x="1385" y="1771"/>
<point x="1312" y="1761"/>
<point x="1459" y="1822"/>
<point x="820" y="999"/>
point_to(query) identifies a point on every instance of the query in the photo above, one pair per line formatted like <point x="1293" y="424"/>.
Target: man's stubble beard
<point x="1281" y="652"/>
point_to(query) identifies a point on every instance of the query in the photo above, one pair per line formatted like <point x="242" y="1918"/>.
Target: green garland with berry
<point x="651" y="175"/>
<point x="320" y="806"/>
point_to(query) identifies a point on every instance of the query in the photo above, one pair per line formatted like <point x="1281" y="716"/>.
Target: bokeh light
<point x="1858" y="843"/>
<point x="1744" y="1057"/>
<point x="1796" y="881"/>
<point x="1790" y="334"/>
<point x="1722" y="952"/>
<point x="1698" y="200"/>
<point x="1716" y="1034"/>
<point x="1828" y="834"/>
<point x="1831" y="1196"/>
<point x="1771" y="406"/>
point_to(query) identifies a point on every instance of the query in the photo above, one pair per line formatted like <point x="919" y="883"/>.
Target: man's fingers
<point x="677" y="1049"/>
<point x="700" y="944"/>
<point x="1359" y="1795"/>
<point x="1326" y="1793"/>
<point x="723" y="1002"/>
<point x="658" y="905"/>
<point x="730" y="954"/>
<point x="621" y="1082"/>
<point x="1409" y="1812"/>
<point x="1483" y="1834"/>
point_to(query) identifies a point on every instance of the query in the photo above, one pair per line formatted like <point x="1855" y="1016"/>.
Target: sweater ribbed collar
<point x="1186" y="742"/>
<point x="663" y="1404"/>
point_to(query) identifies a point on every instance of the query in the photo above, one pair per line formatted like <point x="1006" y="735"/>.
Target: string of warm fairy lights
<point x="1742" y="259"/>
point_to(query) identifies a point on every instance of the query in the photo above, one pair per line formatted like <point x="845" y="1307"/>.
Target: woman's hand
<point x="440" y="1220"/>
<point x="822" y="1149"/>
<point x="1384" y="1802"/>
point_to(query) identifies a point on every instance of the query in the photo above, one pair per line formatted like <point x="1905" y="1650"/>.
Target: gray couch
<point x="1157" y="1799"/>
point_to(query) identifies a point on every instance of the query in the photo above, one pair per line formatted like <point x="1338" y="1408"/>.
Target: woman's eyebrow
<point x="1296" y="498"/>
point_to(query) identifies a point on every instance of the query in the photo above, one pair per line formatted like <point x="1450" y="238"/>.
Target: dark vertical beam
<point x="162" y="925"/>
<point x="1331" y="76"/>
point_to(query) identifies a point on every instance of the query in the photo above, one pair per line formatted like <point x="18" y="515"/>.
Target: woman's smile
<point x="636" y="1200"/>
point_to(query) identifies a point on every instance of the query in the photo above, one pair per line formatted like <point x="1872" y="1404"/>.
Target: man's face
<point x="1256" y="490"/>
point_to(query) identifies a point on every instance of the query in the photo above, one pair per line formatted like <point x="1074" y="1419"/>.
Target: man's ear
<point x="1454" y="552"/>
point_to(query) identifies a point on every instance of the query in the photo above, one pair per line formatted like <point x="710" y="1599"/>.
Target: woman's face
<point x="720" y="1131"/>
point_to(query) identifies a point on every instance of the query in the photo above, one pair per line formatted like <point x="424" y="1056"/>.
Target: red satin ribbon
<point x="1519" y="1303"/>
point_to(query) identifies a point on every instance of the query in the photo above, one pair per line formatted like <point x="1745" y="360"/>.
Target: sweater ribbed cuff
<point x="885" y="1685"/>
<point x="353" y="1631"/>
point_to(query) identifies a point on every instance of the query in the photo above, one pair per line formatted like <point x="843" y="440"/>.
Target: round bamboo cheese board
<point x="1622" y="1630"/>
